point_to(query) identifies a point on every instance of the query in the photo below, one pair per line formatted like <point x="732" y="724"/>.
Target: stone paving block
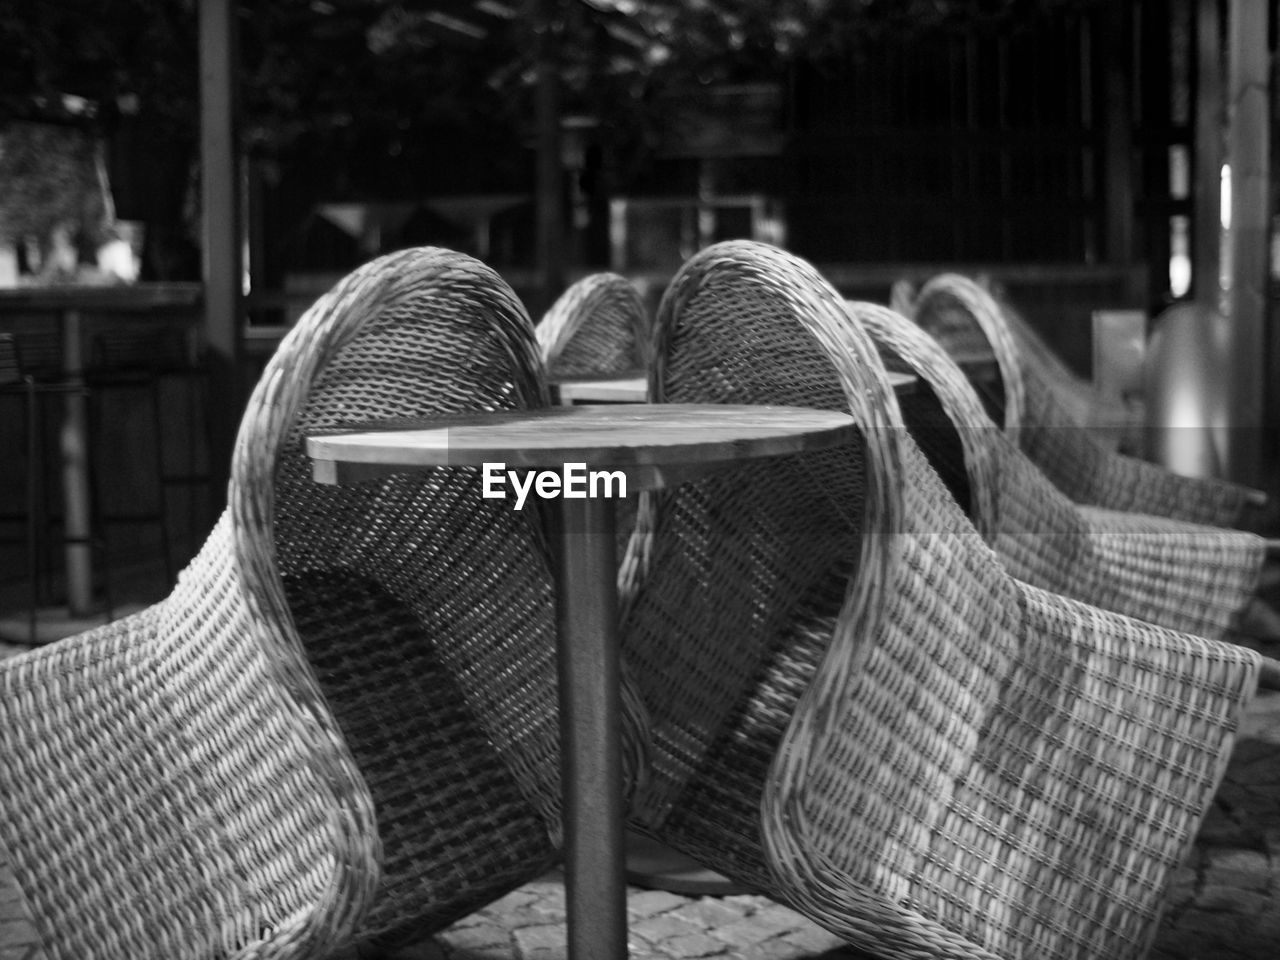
<point x="1233" y="900"/>
<point x="536" y="914"/>
<point x="472" y="920"/>
<point x="664" y="926"/>
<point x="1241" y="869"/>
<point x="754" y="929"/>
<point x="694" y="945"/>
<point x="647" y="903"/>
<point x="550" y="887"/>
<point x="475" y="937"/>
<point x="551" y="936"/>
<point x="768" y="950"/>
<point x="711" y="912"/>
<point x="775" y="915"/>
<point x="813" y="939"/>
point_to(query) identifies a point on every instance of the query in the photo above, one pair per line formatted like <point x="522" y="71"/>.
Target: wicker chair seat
<point x="857" y="710"/>
<point x="1188" y="577"/>
<point x="1053" y="435"/>
<point x="340" y="728"/>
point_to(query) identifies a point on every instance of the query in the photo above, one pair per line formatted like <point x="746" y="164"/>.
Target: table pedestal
<point x="590" y="735"/>
<point x="655" y="446"/>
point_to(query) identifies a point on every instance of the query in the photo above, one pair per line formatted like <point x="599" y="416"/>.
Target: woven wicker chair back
<point x="777" y="550"/>
<point x="415" y="334"/>
<point x="917" y="751"/>
<point x="597" y="327"/>
<point x="944" y="414"/>
<point x="962" y="316"/>
<point x="1185" y="576"/>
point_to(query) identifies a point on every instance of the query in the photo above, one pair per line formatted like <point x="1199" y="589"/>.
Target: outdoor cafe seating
<point x="1033" y="407"/>
<point x="1189" y="577"/>
<point x="341" y="727"/>
<point x="1109" y="419"/>
<point x="857" y="709"/>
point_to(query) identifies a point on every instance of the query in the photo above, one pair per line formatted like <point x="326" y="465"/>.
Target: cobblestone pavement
<point x="1224" y="905"/>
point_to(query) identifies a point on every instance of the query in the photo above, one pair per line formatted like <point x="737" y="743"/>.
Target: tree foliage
<point x="385" y="74"/>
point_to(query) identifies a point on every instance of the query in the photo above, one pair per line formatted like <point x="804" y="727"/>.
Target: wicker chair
<point x="1197" y="579"/>
<point x="858" y="711"/>
<point x="597" y="327"/>
<point x="340" y="727"/>
<point x="958" y="312"/>
<point x="1109" y="421"/>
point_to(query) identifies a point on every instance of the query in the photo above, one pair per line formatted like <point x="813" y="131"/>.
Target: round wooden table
<point x="581" y="458"/>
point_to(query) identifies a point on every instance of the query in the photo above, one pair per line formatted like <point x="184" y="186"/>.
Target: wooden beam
<point x="1118" y="134"/>
<point x="1246" y="242"/>
<point x="220" y="229"/>
<point x="550" y="177"/>
<point x="1206" y="229"/>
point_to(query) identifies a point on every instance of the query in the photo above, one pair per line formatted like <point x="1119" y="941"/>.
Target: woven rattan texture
<point x="730" y="538"/>
<point x="965" y="766"/>
<point x="159" y="798"/>
<point x="256" y="766"/>
<point x="419" y="333"/>
<point x="459" y="828"/>
<point x="1047" y="426"/>
<point x="597" y="327"/>
<point x="1184" y="576"/>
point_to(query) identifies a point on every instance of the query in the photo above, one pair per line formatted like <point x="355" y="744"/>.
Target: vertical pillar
<point x="549" y="200"/>
<point x="1117" y="135"/>
<point x="1246" y="239"/>
<point x="1205" y="229"/>
<point x="220" y="228"/>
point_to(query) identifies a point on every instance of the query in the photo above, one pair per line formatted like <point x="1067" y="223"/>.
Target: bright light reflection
<point x="1179" y="256"/>
<point x="1225" y="200"/>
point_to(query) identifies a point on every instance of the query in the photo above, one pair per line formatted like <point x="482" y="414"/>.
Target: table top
<point x="125" y="297"/>
<point x="634" y="388"/>
<point x="976" y="362"/>
<point x="626" y="388"/>
<point x="637" y="438"/>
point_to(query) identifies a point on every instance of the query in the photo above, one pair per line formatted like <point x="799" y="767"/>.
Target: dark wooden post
<point x="220" y="229"/>
<point x="1117" y="135"/>
<point x="1245" y="241"/>
<point x="1206" y="228"/>
<point x="550" y="180"/>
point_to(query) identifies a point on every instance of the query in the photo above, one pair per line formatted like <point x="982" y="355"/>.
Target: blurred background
<point x="1078" y="153"/>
